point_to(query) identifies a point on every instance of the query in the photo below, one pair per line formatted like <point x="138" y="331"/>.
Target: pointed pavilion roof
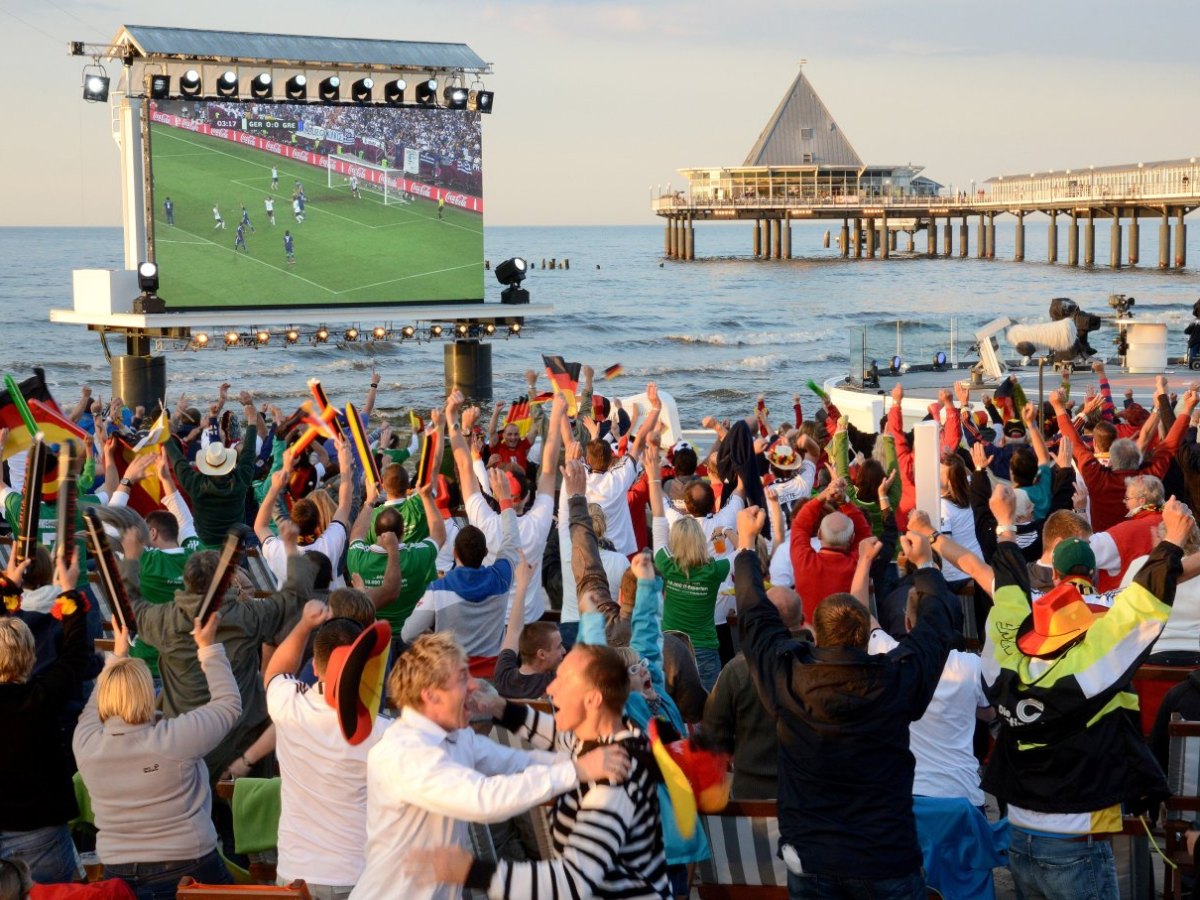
<point x="801" y="131"/>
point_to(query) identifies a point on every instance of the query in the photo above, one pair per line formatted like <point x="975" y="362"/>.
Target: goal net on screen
<point x="381" y="182"/>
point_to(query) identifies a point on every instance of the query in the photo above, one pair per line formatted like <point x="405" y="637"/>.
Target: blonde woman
<point x="691" y="577"/>
<point x="147" y="779"/>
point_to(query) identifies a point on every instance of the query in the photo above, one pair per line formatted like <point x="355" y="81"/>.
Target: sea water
<point x="715" y="332"/>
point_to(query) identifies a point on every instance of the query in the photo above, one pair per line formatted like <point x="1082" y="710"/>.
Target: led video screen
<point x="277" y="205"/>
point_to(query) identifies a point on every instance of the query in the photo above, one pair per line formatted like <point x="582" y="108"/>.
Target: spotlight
<point x="360" y="91"/>
<point x="321" y="335"/>
<point x="95" y="86"/>
<point x="435" y="331"/>
<point x="330" y="89"/>
<point x="227" y="84"/>
<point x="489" y="328"/>
<point x="895" y="365"/>
<point x="351" y="334"/>
<point x="455" y="97"/>
<point x="200" y="339"/>
<point x="147" y="277"/>
<point x="515" y="328"/>
<point x="232" y="338"/>
<point x="380" y="332"/>
<point x="461" y="329"/>
<point x="939" y="361"/>
<point x="262" y="336"/>
<point x="296" y="88"/>
<point x="427" y="92"/>
<point x="871" y="375"/>
<point x="407" y="332"/>
<point x="393" y="91"/>
<point x="291" y="335"/>
<point x="260" y="86"/>
<point x="483" y="101"/>
<point x="189" y="83"/>
<point x="160" y="87"/>
<point x="512" y="272"/>
<point x="77" y="48"/>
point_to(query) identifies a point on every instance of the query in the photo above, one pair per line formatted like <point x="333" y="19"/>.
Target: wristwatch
<point x="125" y="482"/>
<point x="933" y="536"/>
<point x="1006" y="529"/>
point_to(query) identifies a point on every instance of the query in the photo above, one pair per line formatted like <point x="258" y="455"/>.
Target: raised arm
<point x="266" y="509"/>
<point x="1036" y="439"/>
<point x="493" y="429"/>
<point x="362" y="525"/>
<point x="345" y="483"/>
<point x="522" y="577"/>
<point x="651" y="420"/>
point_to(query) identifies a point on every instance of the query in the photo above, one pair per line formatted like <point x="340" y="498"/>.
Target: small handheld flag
<point x="564" y="378"/>
<point x="613" y="371"/>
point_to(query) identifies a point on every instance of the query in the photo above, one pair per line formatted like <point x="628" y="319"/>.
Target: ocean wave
<point x="754" y="339"/>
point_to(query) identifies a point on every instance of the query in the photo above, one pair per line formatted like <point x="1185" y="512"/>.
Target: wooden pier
<point x="802" y="168"/>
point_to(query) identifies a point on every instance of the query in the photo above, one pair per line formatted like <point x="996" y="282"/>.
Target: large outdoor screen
<point x="265" y="204"/>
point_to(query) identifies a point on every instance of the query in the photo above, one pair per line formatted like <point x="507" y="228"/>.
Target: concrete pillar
<point x="787" y="238"/>
<point x="1135" y="250"/>
<point x="856" y="239"/>
<point x="825" y="239"/>
<point x="1089" y="240"/>
<point x="991" y="236"/>
<point x="1019" y="238"/>
<point x="1181" y="242"/>
<point x="777" y="237"/>
<point x="948" y="239"/>
<point x="757" y="239"/>
<point x="666" y="238"/>
<point x="1164" y="243"/>
<point x="766" y="238"/>
<point x="931" y="238"/>
<point x="689" y="249"/>
<point x="1114" y="242"/>
<point x="886" y="246"/>
<point x="962" y="238"/>
<point x="912" y="241"/>
<point x="1052" y="239"/>
<point x="845" y="238"/>
<point x="981" y="239"/>
<point x="870" y="238"/>
<point x="1073" y="241"/>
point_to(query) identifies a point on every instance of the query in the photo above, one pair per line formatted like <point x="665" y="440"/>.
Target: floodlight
<point x="380" y="332"/>
<point x="895" y="365"/>
<point x="483" y="101"/>
<point x="461" y="329"/>
<point x="515" y="328"/>
<point x="232" y="338"/>
<point x="291" y="335"/>
<point x="512" y="272"/>
<point x="296" y="88"/>
<point x="321" y="335"/>
<point x="455" y="97"/>
<point x="189" y="83"/>
<point x="427" y="92"/>
<point x="330" y="89"/>
<point x="939" y="361"/>
<point x="360" y="91"/>
<point x="393" y="91"/>
<point x="200" y="339"/>
<point x="160" y="87"/>
<point x="407" y="332"/>
<point x="435" y="331"/>
<point x="260" y="86"/>
<point x="227" y="84"/>
<point x="262" y="336"/>
<point x="351" y="334"/>
<point x="95" y="86"/>
<point x="489" y="328"/>
<point x="147" y="277"/>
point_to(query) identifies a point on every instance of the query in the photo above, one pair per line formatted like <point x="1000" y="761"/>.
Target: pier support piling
<point x="1180" y="242"/>
<point x="825" y="239"/>
<point x="1019" y="238"/>
<point x="981" y="239"/>
<point x="1052" y="238"/>
<point x="667" y="238"/>
<point x="963" y="231"/>
<point x="912" y="241"/>
<point x="689" y="245"/>
<point x="947" y="239"/>
<point x="1135" y="250"/>
<point x="787" y="238"/>
<point x="1114" y="243"/>
<point x="757" y="239"/>
<point x="886" y="238"/>
<point x="857" y="239"/>
<point x="1089" y="241"/>
<point x="931" y="238"/>
<point x="870" y="238"/>
<point x="1073" y="241"/>
<point x="845" y="238"/>
<point x="1164" y="243"/>
<point x="990" y="235"/>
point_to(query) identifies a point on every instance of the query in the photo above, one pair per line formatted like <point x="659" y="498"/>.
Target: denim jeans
<point x="49" y="852"/>
<point x="158" y="880"/>
<point x="1045" y="868"/>
<point x="708" y="662"/>
<point x="839" y="887"/>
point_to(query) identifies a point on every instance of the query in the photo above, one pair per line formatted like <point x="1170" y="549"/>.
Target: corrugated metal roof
<point x="802" y="131"/>
<point x="1082" y="173"/>
<point x="192" y="43"/>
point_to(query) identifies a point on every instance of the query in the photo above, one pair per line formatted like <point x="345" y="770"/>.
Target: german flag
<point x="34" y="400"/>
<point x="613" y="371"/>
<point x="564" y="378"/>
<point x="519" y="415"/>
<point x="430" y="447"/>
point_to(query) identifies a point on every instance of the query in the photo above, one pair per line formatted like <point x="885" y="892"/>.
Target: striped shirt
<point x="607" y="838"/>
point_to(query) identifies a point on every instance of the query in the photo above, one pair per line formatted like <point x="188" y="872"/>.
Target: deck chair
<point x="189" y="889"/>
<point x="744" y="864"/>
<point x="1183" y="781"/>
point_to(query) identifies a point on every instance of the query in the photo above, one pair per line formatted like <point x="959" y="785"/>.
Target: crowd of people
<point x="777" y="599"/>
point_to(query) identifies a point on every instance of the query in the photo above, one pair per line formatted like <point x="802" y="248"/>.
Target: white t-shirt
<point x="323" y="817"/>
<point x="1182" y="631"/>
<point x="610" y="489"/>
<point x="958" y="524"/>
<point x="942" y="740"/>
<point x="533" y="528"/>
<point x="331" y="542"/>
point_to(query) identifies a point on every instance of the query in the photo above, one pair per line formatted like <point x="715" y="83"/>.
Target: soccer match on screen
<point x="275" y="204"/>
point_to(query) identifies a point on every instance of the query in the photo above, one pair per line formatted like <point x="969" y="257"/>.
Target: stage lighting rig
<point x="427" y="92"/>
<point x="190" y="85"/>
<point x="330" y="89"/>
<point x="296" y="88"/>
<point x="454" y="97"/>
<point x="260" y="86"/>
<point x="393" y="91"/>
<point x="95" y="84"/>
<point x="482" y="101"/>
<point x="160" y="87"/>
<point x="227" y="84"/>
<point x="360" y="91"/>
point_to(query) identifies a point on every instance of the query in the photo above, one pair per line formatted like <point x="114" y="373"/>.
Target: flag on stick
<point x="564" y="378"/>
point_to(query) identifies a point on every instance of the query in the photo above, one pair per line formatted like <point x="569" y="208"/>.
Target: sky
<point x="599" y="103"/>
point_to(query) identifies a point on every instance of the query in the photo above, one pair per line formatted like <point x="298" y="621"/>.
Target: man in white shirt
<point x="330" y="541"/>
<point x="533" y="522"/>
<point x="323" y="815"/>
<point x="942" y="740"/>
<point x="430" y="774"/>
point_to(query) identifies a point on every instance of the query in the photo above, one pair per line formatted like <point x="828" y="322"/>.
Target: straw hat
<point x="217" y="459"/>
<point x="784" y="457"/>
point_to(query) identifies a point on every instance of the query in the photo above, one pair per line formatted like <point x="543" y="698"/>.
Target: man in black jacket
<point x="845" y="772"/>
